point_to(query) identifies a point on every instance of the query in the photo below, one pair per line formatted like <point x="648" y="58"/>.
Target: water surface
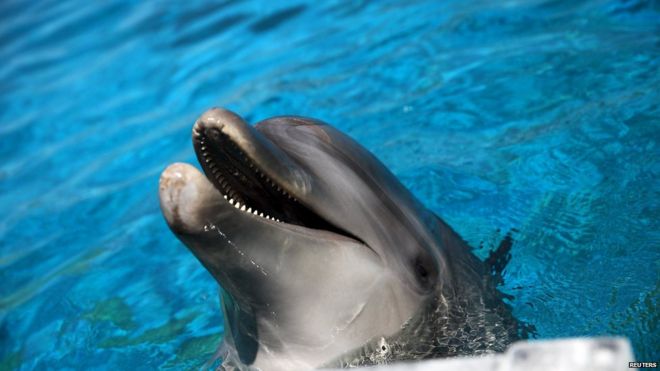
<point x="538" y="118"/>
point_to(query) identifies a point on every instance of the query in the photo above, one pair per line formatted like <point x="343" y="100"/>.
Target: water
<point x="539" y="118"/>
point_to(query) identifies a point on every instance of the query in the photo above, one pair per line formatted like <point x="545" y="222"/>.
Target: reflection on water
<point x="538" y="116"/>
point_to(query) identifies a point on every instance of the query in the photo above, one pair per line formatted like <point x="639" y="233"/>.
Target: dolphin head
<point x="317" y="246"/>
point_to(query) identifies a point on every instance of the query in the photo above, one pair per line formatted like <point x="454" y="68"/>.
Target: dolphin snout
<point x="218" y="120"/>
<point x="219" y="135"/>
<point x="181" y="190"/>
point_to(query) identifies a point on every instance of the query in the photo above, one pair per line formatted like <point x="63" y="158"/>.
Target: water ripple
<point x="536" y="116"/>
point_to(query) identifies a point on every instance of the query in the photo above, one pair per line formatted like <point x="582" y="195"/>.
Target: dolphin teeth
<point x="238" y="204"/>
<point x="243" y="208"/>
<point x="261" y="214"/>
<point x="249" y="210"/>
<point x="231" y="201"/>
<point x="225" y="196"/>
<point x="254" y="212"/>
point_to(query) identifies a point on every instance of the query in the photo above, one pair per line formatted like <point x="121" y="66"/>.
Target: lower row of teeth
<point x="249" y="210"/>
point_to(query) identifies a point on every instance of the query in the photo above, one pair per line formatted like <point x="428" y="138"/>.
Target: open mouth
<point x="245" y="185"/>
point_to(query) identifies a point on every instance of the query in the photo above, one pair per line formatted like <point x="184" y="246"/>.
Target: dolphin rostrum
<point x="324" y="258"/>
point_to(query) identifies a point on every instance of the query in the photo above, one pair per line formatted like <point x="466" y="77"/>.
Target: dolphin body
<point x="324" y="258"/>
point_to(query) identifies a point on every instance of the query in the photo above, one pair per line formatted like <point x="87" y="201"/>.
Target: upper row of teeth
<point x="237" y="204"/>
<point x="268" y="180"/>
<point x="243" y="207"/>
<point x="251" y="165"/>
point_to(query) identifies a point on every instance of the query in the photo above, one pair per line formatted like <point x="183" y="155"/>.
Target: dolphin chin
<point x="324" y="257"/>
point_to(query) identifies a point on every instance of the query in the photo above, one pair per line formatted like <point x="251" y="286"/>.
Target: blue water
<point x="536" y="118"/>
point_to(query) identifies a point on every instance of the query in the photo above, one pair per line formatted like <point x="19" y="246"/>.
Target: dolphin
<point x="323" y="257"/>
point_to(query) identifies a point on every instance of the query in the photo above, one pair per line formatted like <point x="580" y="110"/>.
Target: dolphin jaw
<point x="218" y="178"/>
<point x="228" y="151"/>
<point x="222" y="185"/>
<point x="183" y="192"/>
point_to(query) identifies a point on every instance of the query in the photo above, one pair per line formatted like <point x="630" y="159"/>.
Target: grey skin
<point x="350" y="270"/>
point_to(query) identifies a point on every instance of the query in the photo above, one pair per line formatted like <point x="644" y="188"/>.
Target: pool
<point x="538" y="119"/>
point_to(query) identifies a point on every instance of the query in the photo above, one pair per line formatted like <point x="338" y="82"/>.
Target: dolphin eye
<point x="423" y="272"/>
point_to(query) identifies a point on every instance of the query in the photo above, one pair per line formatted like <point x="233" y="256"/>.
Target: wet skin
<point x="318" y="248"/>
